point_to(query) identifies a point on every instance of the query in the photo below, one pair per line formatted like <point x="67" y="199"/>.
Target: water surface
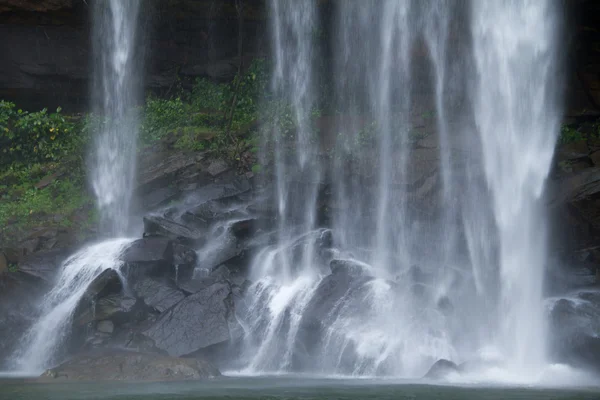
<point x="280" y="388"/>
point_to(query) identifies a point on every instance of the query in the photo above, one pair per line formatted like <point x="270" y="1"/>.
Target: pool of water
<point x="287" y="388"/>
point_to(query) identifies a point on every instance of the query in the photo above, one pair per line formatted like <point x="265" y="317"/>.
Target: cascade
<point x="42" y="344"/>
<point x="437" y="233"/>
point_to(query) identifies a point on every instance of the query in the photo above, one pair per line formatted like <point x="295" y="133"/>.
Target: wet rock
<point x="183" y="255"/>
<point x="196" y="285"/>
<point x="148" y="250"/>
<point x="227" y="188"/>
<point x="160" y="170"/>
<point x="44" y="265"/>
<point x="349" y="267"/>
<point x="107" y="283"/>
<point x="105" y="327"/>
<point x="116" y="307"/>
<point x="162" y="226"/>
<point x="441" y="369"/>
<point x="201" y="320"/>
<point x="158" y="197"/>
<point x="130" y="366"/>
<point x="221" y="273"/>
<point x="575" y="323"/>
<point x="156" y="294"/>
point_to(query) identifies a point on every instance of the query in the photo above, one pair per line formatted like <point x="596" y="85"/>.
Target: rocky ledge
<point x="131" y="366"/>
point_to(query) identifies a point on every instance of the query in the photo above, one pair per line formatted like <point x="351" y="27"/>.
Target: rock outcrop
<point x="130" y="366"/>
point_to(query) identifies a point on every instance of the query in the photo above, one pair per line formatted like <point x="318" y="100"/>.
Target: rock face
<point x="130" y="366"/>
<point x="193" y="37"/>
<point x="203" y="319"/>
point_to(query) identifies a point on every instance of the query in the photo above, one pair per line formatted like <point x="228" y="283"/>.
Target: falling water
<point x="440" y="139"/>
<point x="116" y="85"/>
<point x="42" y="344"/>
<point x="516" y="115"/>
<point x="116" y="89"/>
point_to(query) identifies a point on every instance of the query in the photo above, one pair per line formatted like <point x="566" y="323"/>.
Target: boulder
<point x="107" y="283"/>
<point x="150" y="250"/>
<point x="130" y="366"/>
<point x="201" y="320"/>
<point x="441" y="369"/>
<point x="157" y="294"/>
<point x="157" y="256"/>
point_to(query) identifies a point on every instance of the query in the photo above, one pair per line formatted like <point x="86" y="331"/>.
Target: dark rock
<point x="158" y="197"/>
<point x="201" y="320"/>
<point x="131" y="366"/>
<point x="148" y="250"/>
<point x="157" y="294"/>
<point x="316" y="316"/>
<point x="244" y="228"/>
<point x="196" y="285"/>
<point x="183" y="255"/>
<point x="216" y="191"/>
<point x="575" y="324"/>
<point x="217" y="167"/>
<point x="160" y="170"/>
<point x="44" y="265"/>
<point x="107" y="283"/>
<point x="150" y="256"/>
<point x="116" y="307"/>
<point x="157" y="225"/>
<point x="349" y="267"/>
<point x="221" y="273"/>
<point x="441" y="369"/>
<point x="3" y="264"/>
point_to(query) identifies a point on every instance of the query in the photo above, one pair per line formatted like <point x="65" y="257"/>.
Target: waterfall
<point x="42" y="344"/>
<point x="115" y="43"/>
<point x="442" y="121"/>
<point x="517" y="116"/>
<point x="116" y="90"/>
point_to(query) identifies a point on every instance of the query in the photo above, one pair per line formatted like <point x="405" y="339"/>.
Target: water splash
<point x="116" y="90"/>
<point x="41" y="345"/>
<point x="517" y="116"/>
<point x="434" y="178"/>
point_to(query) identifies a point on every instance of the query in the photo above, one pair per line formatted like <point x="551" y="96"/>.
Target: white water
<point x="464" y="209"/>
<point x="117" y="77"/>
<point x="42" y="344"/>
<point x="115" y="40"/>
<point x="518" y="120"/>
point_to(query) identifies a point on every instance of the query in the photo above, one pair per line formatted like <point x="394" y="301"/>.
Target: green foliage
<point x="212" y="115"/>
<point x="160" y="116"/>
<point x="31" y="137"/>
<point x="569" y="134"/>
<point x="23" y="205"/>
